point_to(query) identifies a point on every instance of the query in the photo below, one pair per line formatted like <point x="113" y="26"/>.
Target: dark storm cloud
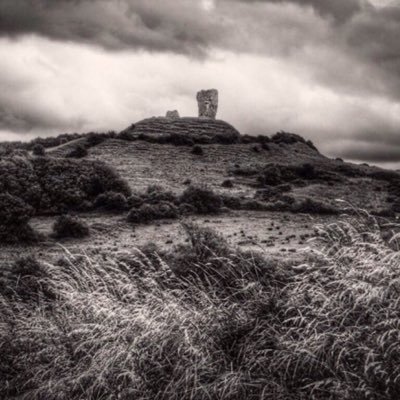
<point x="348" y="44"/>
<point x="371" y="153"/>
<point x="182" y="26"/>
<point x="177" y="25"/>
<point x="340" y="10"/>
<point x="374" y="38"/>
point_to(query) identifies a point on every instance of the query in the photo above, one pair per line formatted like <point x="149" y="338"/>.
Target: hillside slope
<point x="143" y="163"/>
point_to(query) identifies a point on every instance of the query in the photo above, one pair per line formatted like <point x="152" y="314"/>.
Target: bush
<point x="265" y="146"/>
<point x="68" y="226"/>
<point x="94" y="138"/>
<point x="135" y="200"/>
<point x="274" y="174"/>
<point x="227" y="183"/>
<point x="38" y="150"/>
<point x="14" y="211"/>
<point x="311" y="206"/>
<point x="111" y="201"/>
<point x="186" y="209"/>
<point x="127" y="135"/>
<point x="155" y="194"/>
<point x="27" y="282"/>
<point x="232" y="202"/>
<point x="150" y="212"/>
<point x="14" y="218"/>
<point x="197" y="150"/>
<point x="204" y="200"/>
<point x="62" y="185"/>
<point x="79" y="151"/>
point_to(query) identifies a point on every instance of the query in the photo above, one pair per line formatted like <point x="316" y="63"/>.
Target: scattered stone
<point x="208" y="103"/>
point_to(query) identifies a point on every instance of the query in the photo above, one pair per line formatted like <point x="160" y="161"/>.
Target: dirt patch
<point x="281" y="233"/>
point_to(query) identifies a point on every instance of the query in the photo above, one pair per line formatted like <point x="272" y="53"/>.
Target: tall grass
<point x="207" y="322"/>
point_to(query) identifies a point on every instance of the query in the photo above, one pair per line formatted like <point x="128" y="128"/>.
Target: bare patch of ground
<point x="278" y="233"/>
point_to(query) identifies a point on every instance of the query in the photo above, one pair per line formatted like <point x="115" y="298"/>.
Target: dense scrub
<point x="206" y="321"/>
<point x="150" y="212"/>
<point x="111" y="201"/>
<point x="53" y="185"/>
<point x="78" y="151"/>
<point x="14" y="220"/>
<point x="70" y="226"/>
<point x="158" y="203"/>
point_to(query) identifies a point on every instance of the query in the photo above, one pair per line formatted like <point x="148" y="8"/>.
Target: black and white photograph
<point x="199" y="199"/>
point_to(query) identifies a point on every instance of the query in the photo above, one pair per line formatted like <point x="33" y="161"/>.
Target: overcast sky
<point x="326" y="69"/>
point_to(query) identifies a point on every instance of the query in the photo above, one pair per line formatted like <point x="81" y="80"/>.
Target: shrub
<point x="311" y="206"/>
<point x="255" y="205"/>
<point x="247" y="139"/>
<point x="19" y="178"/>
<point x="186" y="209"/>
<point x="150" y="212"/>
<point x="204" y="200"/>
<point x="274" y="174"/>
<point x="111" y="201"/>
<point x="27" y="282"/>
<point x="13" y="210"/>
<point x="227" y="183"/>
<point x="78" y="152"/>
<point x="68" y="226"/>
<point x="61" y="185"/>
<point x="127" y="135"/>
<point x="291" y="138"/>
<point x="166" y="209"/>
<point x="232" y="202"/>
<point x="145" y="213"/>
<point x="265" y="146"/>
<point x="94" y="138"/>
<point x="197" y="150"/>
<point x="38" y="150"/>
<point x="14" y="218"/>
<point x="155" y="194"/>
<point x="102" y="178"/>
<point x="135" y="200"/>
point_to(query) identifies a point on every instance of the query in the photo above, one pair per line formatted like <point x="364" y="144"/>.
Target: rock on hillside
<point x="198" y="129"/>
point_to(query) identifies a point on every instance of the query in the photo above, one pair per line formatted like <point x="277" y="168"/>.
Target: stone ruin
<point x="172" y="114"/>
<point x="208" y="103"/>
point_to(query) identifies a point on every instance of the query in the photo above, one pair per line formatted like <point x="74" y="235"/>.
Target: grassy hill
<point x="161" y="151"/>
<point x="167" y="263"/>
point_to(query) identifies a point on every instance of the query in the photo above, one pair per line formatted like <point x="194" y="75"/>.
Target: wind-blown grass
<point x="207" y="322"/>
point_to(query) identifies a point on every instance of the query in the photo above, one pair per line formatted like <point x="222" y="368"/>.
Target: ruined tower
<point x="208" y="103"/>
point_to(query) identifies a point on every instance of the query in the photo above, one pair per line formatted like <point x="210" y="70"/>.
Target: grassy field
<point x="206" y="321"/>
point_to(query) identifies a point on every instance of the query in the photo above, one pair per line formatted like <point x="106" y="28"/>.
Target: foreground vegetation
<point x="206" y="321"/>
